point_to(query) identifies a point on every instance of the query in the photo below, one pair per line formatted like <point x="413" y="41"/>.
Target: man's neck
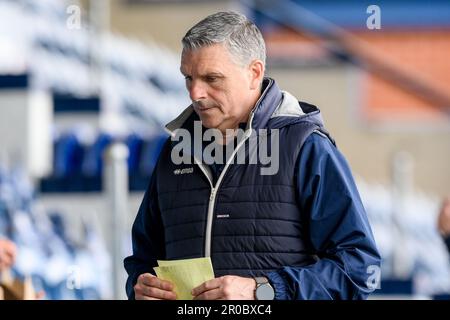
<point x="228" y="135"/>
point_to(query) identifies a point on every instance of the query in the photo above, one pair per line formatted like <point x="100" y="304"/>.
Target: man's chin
<point x="209" y="122"/>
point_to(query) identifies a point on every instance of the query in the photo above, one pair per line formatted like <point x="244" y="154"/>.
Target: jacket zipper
<point x="212" y="197"/>
<point x="214" y="189"/>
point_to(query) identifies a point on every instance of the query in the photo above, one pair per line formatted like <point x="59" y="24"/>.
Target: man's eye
<point x="211" y="79"/>
<point x="187" y="78"/>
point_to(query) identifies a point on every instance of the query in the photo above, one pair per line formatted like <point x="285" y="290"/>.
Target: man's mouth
<point x="202" y="108"/>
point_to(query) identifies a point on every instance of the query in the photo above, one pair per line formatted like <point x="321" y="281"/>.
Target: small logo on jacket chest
<point x="183" y="171"/>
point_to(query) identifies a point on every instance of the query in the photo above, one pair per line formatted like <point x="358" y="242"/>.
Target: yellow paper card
<point x="185" y="274"/>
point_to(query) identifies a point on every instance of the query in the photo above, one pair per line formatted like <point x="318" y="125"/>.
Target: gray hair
<point x="240" y="36"/>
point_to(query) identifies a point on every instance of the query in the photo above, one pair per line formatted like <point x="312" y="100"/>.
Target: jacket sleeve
<point x="147" y="238"/>
<point x="338" y="231"/>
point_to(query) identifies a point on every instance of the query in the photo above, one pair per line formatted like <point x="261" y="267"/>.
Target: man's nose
<point x="197" y="90"/>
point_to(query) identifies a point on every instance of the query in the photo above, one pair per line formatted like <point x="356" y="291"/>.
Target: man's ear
<point x="256" y="70"/>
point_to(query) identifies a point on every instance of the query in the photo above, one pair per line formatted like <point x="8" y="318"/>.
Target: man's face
<point x="222" y="91"/>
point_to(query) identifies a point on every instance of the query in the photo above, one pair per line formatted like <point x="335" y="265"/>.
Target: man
<point x="296" y="232"/>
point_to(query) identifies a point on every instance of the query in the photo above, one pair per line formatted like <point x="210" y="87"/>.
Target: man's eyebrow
<point x="207" y="74"/>
<point x="214" y="74"/>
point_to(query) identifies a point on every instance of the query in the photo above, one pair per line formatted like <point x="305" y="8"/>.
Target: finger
<point x="213" y="294"/>
<point x="152" y="281"/>
<point x="205" y="286"/>
<point x="157" y="293"/>
<point x="142" y="297"/>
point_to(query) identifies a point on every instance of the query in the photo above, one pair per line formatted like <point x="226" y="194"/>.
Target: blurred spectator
<point x="7" y="254"/>
<point x="444" y="222"/>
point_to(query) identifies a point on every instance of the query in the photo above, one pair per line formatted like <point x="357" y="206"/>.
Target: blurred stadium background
<point x="79" y="80"/>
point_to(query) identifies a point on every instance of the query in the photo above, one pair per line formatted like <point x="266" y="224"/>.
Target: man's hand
<point x="149" y="287"/>
<point x="226" y="288"/>
<point x="7" y="254"/>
